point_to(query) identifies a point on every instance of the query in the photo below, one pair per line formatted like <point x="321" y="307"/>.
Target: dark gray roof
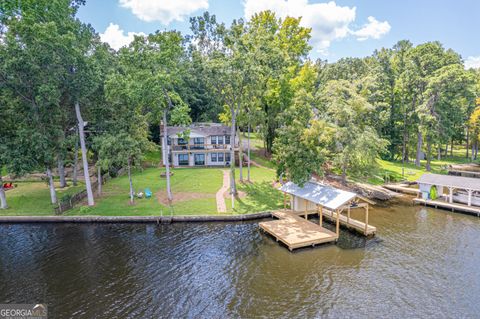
<point x="326" y="196"/>
<point x="205" y="129"/>
<point x="450" y="181"/>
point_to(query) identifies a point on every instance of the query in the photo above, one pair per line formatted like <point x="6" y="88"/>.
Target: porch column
<point x="284" y="201"/>
<point x="338" y="223"/>
<point x="348" y="214"/>
<point x="320" y="216"/>
<point x="306" y="203"/>
<point x="450" y="196"/>
<point x="469" y="197"/>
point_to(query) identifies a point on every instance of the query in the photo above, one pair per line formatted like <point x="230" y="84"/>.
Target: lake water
<point x="422" y="263"/>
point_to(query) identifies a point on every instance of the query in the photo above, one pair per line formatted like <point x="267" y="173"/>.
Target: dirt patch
<point x="181" y="197"/>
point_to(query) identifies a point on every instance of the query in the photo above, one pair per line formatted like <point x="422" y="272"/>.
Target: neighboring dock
<point x="475" y="210"/>
<point x="402" y="188"/>
<point x="296" y="232"/>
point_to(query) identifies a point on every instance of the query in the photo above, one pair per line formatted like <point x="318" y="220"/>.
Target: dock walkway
<point x="402" y="188"/>
<point x="296" y="232"/>
<point x="451" y="206"/>
<point x="345" y="221"/>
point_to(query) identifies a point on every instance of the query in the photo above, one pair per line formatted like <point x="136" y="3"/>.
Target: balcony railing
<point x="193" y="147"/>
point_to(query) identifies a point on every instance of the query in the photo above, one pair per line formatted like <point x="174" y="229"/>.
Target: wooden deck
<point x="451" y="206"/>
<point x="345" y="221"/>
<point x="296" y="232"/>
<point x="402" y="188"/>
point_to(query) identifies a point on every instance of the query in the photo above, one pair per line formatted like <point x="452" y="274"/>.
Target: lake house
<point x="208" y="144"/>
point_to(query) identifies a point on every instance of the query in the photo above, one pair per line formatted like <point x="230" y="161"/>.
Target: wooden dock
<point x="351" y="223"/>
<point x="345" y="221"/>
<point x="402" y="188"/>
<point x="296" y="232"/>
<point x="450" y="206"/>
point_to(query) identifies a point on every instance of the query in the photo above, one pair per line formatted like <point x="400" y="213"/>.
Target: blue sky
<point x="339" y="28"/>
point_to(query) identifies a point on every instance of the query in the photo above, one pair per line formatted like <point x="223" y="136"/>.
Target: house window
<point x="199" y="159"/>
<point x="198" y="143"/>
<point x="182" y="143"/>
<point x="227" y="157"/>
<point x="213" y="157"/>
<point x="183" y="159"/>
<point x="217" y="140"/>
<point x="220" y="157"/>
<point x="169" y="141"/>
<point x="227" y="139"/>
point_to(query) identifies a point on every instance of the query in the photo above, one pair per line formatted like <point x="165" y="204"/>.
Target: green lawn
<point x="196" y="185"/>
<point x="33" y="198"/>
<point x="392" y="170"/>
<point x="261" y="195"/>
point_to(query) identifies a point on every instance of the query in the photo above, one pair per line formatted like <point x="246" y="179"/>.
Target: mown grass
<point x="33" y="198"/>
<point x="115" y="198"/>
<point x="260" y="193"/>
<point x="185" y="181"/>
<point x="391" y="171"/>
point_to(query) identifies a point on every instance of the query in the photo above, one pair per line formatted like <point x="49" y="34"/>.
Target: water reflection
<point x="421" y="264"/>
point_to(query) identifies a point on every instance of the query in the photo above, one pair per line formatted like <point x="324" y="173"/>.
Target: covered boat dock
<point x="450" y="192"/>
<point x="315" y="198"/>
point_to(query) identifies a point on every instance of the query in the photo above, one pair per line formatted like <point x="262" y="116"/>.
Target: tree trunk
<point x="467" y="142"/>
<point x="165" y="154"/>
<point x="51" y="185"/>
<point x="61" y="172"/>
<point x="419" y="149"/>
<point x="240" y="155"/>
<point x="404" y="142"/>
<point x="3" y="196"/>
<point x="130" y="181"/>
<point x="446" y="149"/>
<point x="233" y="188"/>
<point x="439" y="152"/>
<point x="75" y="162"/>
<point x="99" y="181"/>
<point x="83" y="146"/>
<point x="451" y="149"/>
<point x="429" y="154"/>
<point x="344" y="174"/>
<point x="476" y="149"/>
<point x="248" y="154"/>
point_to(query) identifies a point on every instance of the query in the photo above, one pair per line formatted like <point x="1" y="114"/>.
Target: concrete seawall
<point x="132" y="219"/>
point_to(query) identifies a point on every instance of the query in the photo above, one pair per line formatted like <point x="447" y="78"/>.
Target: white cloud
<point x="373" y="29"/>
<point x="472" y="62"/>
<point x="116" y="37"/>
<point x="164" y="11"/>
<point x="328" y="21"/>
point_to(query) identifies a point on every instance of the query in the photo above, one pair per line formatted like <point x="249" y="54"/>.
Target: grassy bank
<point x="193" y="190"/>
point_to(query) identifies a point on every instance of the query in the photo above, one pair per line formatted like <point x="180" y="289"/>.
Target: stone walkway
<point x="221" y="206"/>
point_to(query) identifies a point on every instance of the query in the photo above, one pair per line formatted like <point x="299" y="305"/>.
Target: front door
<point x="199" y="159"/>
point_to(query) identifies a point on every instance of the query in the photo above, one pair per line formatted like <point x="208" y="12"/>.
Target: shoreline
<point x="132" y="219"/>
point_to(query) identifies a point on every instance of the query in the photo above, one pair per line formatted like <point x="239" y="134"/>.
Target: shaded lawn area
<point x="261" y="195"/>
<point x="33" y="198"/>
<point x="186" y="182"/>
<point x="203" y="182"/>
<point x="392" y="170"/>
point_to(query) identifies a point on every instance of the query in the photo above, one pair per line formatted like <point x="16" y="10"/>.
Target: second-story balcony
<point x="194" y="147"/>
